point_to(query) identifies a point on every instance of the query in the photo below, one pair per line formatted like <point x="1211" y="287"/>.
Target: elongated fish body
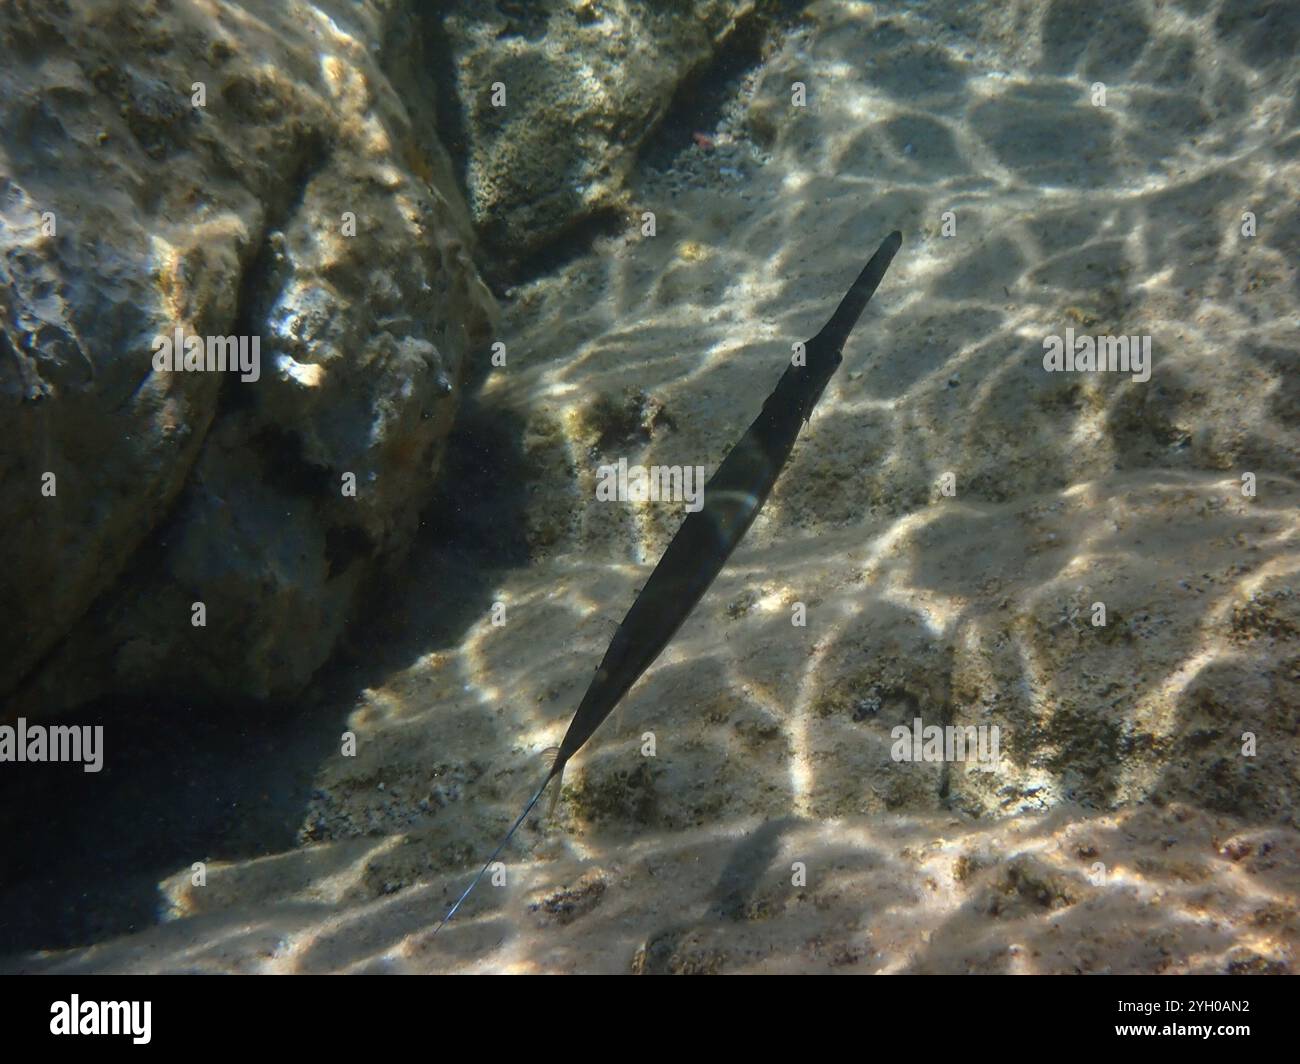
<point x="705" y="540"/>
<point x="732" y="498"/>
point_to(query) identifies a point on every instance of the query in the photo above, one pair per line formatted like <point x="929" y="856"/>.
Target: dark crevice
<point x="313" y="153"/>
<point x="574" y="241"/>
<point x="700" y="101"/>
<point x="478" y="510"/>
<point x="260" y="284"/>
<point x="449" y="111"/>
<point x="286" y="469"/>
<point x="471" y="530"/>
<point x="345" y="544"/>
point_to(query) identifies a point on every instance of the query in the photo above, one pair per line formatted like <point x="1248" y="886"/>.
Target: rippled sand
<point x="1122" y="829"/>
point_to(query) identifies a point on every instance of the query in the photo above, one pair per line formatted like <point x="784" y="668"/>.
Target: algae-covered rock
<point x="235" y="171"/>
<point x="558" y="97"/>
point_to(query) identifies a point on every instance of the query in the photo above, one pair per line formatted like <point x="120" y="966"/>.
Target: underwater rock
<point x="249" y="174"/>
<point x="556" y="98"/>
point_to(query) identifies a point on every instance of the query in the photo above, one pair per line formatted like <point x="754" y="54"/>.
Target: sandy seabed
<point x="1122" y="829"/>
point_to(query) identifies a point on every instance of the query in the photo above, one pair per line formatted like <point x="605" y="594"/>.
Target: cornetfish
<point x="705" y="540"/>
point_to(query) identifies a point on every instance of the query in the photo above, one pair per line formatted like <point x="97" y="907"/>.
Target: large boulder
<point x="246" y="170"/>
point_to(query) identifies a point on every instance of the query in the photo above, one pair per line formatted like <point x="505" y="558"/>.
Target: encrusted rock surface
<point x="302" y="200"/>
<point x="560" y="95"/>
